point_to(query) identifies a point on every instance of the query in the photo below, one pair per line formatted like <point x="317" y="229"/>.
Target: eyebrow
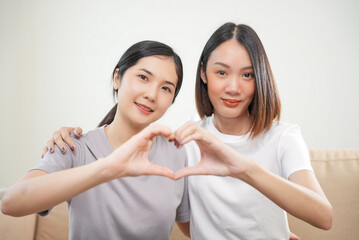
<point x="150" y="73"/>
<point x="147" y="71"/>
<point x="227" y="66"/>
<point x="222" y="64"/>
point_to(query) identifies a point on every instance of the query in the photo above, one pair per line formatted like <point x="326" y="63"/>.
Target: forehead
<point x="160" y="66"/>
<point x="230" y="52"/>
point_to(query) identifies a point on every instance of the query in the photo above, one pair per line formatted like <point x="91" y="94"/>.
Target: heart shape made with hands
<point x="216" y="157"/>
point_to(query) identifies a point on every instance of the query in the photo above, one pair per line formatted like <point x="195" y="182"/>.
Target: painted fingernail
<point x="177" y="143"/>
<point x="51" y="150"/>
<point x="72" y="148"/>
<point x="42" y="156"/>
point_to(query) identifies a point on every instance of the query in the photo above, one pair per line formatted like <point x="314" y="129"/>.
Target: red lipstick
<point x="230" y="102"/>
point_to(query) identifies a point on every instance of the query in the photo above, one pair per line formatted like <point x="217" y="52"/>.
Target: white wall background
<point x="56" y="59"/>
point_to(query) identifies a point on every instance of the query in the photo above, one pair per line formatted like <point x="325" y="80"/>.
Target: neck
<point x="233" y="126"/>
<point x="119" y="131"/>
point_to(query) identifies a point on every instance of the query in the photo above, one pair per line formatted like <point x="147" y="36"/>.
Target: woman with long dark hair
<point x="109" y="180"/>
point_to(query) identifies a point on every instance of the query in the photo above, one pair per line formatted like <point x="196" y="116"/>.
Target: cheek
<point x="253" y="89"/>
<point x="249" y="88"/>
<point x="165" y="101"/>
<point x="214" y="90"/>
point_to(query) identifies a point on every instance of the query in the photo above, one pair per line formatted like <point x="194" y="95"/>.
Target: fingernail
<point x="63" y="149"/>
<point x="42" y="156"/>
<point x="177" y="143"/>
<point x="72" y="148"/>
<point x="51" y="150"/>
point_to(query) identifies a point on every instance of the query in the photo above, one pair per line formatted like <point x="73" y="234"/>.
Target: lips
<point x="230" y="102"/>
<point x="143" y="108"/>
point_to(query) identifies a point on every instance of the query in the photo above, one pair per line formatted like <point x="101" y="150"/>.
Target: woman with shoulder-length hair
<point x="240" y="136"/>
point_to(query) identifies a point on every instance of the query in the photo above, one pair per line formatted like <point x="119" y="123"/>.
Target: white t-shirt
<point x="228" y="208"/>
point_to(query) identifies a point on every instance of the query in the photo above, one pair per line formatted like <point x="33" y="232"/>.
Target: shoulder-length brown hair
<point x="266" y="105"/>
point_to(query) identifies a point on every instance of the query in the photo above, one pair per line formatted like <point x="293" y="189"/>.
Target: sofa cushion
<point x="338" y="173"/>
<point x="17" y="227"/>
<point x="54" y="226"/>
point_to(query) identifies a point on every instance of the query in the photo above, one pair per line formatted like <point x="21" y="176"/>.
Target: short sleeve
<point x="293" y="152"/>
<point x="53" y="162"/>
<point x="57" y="161"/>
<point x="183" y="210"/>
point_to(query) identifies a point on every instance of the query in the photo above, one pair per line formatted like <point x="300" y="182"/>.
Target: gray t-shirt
<point x="142" y="207"/>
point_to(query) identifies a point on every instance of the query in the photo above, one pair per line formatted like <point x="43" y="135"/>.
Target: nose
<point x="151" y="93"/>
<point x="233" y="86"/>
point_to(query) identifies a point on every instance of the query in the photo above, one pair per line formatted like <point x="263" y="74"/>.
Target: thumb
<point x="160" y="171"/>
<point x="189" y="171"/>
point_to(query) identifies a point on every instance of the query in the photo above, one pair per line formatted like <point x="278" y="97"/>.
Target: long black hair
<point x="132" y="56"/>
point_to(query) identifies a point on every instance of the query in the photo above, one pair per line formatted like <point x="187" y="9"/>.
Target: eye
<point x="221" y="73"/>
<point x="248" y="75"/>
<point x="143" y="77"/>
<point x="167" y="89"/>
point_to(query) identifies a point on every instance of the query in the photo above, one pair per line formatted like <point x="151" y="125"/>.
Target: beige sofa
<point x="336" y="170"/>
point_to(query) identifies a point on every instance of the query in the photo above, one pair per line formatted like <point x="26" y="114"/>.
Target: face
<point x="146" y="90"/>
<point x="230" y="80"/>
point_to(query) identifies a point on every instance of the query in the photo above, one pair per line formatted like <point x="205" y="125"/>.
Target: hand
<point x="130" y="159"/>
<point x="217" y="158"/>
<point x="293" y="236"/>
<point x="60" y="138"/>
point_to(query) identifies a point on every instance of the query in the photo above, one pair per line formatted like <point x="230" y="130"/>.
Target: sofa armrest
<point x="338" y="173"/>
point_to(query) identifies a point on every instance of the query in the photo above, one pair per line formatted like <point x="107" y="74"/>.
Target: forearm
<point x="301" y="202"/>
<point x="40" y="193"/>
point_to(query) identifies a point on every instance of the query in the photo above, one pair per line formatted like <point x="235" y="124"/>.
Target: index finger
<point x="157" y="130"/>
<point x="65" y="137"/>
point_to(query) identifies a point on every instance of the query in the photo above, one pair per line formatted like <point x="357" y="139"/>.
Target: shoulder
<point x="288" y="136"/>
<point x="82" y="141"/>
<point x="91" y="135"/>
<point x="282" y="128"/>
<point x="82" y="144"/>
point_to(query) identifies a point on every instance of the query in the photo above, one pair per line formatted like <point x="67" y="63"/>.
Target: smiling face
<point x="230" y="81"/>
<point x="146" y="90"/>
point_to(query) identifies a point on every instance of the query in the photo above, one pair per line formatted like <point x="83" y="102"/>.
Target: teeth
<point x="145" y="108"/>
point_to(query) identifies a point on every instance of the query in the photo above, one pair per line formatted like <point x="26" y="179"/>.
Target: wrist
<point x="104" y="170"/>
<point x="250" y="171"/>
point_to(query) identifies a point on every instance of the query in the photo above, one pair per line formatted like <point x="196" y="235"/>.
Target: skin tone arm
<point x="62" y="137"/>
<point x="130" y="159"/>
<point x="301" y="196"/>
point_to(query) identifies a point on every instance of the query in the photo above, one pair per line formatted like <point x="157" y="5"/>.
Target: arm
<point x="301" y="196"/>
<point x="184" y="227"/>
<point x="39" y="191"/>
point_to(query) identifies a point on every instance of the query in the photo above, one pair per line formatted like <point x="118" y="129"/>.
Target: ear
<point x="203" y="75"/>
<point x="116" y="80"/>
